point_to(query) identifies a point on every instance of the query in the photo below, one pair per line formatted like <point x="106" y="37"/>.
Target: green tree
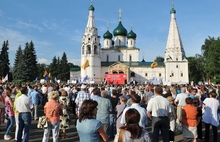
<point x="53" y="68"/>
<point x="159" y="59"/>
<point x="30" y="62"/>
<point x="4" y="70"/>
<point x="64" y="66"/>
<point x="18" y="65"/>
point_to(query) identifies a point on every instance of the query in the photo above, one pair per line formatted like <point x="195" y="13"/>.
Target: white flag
<point x="5" y="79"/>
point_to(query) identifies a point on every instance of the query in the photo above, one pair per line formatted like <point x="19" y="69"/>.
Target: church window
<point x="107" y="58"/>
<point x="83" y="50"/>
<point x="95" y="50"/>
<point x="177" y="59"/>
<point x="145" y="74"/>
<point x="130" y="58"/>
<point x="177" y="66"/>
<point x="172" y="74"/>
<point x="132" y="74"/>
<point x="119" y="42"/>
<point x="131" y="42"/>
<point x="118" y="57"/>
<point x="181" y="74"/>
<point x="88" y="50"/>
<point x="107" y="42"/>
<point x="159" y="74"/>
<point x="88" y="38"/>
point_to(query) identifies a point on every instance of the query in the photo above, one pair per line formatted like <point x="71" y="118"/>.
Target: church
<point x="117" y="61"/>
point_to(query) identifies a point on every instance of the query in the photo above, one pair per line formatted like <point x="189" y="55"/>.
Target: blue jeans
<point x="24" y="123"/>
<point x="112" y="125"/>
<point x="10" y="124"/>
<point x="55" y="129"/>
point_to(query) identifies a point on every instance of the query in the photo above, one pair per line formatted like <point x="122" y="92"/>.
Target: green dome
<point x="107" y="35"/>
<point x="131" y="34"/>
<point x="120" y="30"/>
<point x="91" y="8"/>
<point x="172" y="11"/>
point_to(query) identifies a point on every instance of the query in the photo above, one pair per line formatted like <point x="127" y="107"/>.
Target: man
<point x="180" y="102"/>
<point x="36" y="99"/>
<point x="81" y="96"/>
<point x="44" y="93"/>
<point x="104" y="109"/>
<point x="18" y="91"/>
<point x="135" y="100"/>
<point x="158" y="110"/>
<point x="23" y="106"/>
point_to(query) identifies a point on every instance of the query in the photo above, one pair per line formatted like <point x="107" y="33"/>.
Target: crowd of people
<point x="119" y="112"/>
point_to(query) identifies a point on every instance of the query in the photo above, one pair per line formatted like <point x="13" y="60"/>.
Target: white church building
<point x="120" y="56"/>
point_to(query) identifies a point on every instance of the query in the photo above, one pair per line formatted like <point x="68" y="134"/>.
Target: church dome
<point x="172" y="11"/>
<point x="131" y="34"/>
<point x="120" y="30"/>
<point x="91" y="8"/>
<point x="107" y="35"/>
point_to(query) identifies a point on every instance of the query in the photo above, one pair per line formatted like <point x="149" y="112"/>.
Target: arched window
<point x="159" y="74"/>
<point x="181" y="74"/>
<point x="130" y="58"/>
<point x="83" y="50"/>
<point x="132" y="74"/>
<point x="177" y="66"/>
<point x="107" y="58"/>
<point x="131" y="42"/>
<point x="118" y="57"/>
<point x="145" y="74"/>
<point x="95" y="50"/>
<point x="88" y="51"/>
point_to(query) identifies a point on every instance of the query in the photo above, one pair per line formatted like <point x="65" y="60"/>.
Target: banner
<point x="85" y="65"/>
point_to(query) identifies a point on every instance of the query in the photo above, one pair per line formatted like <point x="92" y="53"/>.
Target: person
<point x="104" y="109"/>
<point x="81" y="96"/>
<point x="9" y="111"/>
<point x="52" y="110"/>
<point x="64" y="118"/>
<point x="23" y="106"/>
<point x="135" y="100"/>
<point x="196" y="103"/>
<point x="210" y="116"/>
<point x="160" y="109"/>
<point x="189" y="121"/>
<point x="132" y="132"/>
<point x="36" y="99"/>
<point x="2" y="111"/>
<point x="88" y="128"/>
<point x="119" y="109"/>
<point x="180" y="102"/>
<point x="172" y="114"/>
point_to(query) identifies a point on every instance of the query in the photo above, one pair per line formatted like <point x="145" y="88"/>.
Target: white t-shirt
<point x="211" y="111"/>
<point x="159" y="106"/>
<point x="181" y="99"/>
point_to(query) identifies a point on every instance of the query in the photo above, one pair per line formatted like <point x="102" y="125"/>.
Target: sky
<point x="57" y="26"/>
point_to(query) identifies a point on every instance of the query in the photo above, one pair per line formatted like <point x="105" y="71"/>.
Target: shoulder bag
<point x="42" y="122"/>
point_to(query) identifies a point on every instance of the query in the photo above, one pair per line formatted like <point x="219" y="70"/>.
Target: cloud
<point x="24" y="25"/>
<point x="43" y="61"/>
<point x="76" y="61"/>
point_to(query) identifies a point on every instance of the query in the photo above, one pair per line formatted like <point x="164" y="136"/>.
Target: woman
<point x="64" y="119"/>
<point x="9" y="112"/>
<point x="53" y="110"/>
<point x="196" y="103"/>
<point x="189" y="121"/>
<point x="210" y="116"/>
<point x="88" y="128"/>
<point x="132" y="132"/>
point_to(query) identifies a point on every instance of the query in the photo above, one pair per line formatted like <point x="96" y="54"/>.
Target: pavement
<point x="36" y="134"/>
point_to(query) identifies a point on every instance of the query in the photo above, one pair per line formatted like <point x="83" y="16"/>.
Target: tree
<point x="18" y="65"/>
<point x="41" y="68"/>
<point x="53" y="68"/>
<point x="4" y="70"/>
<point x="65" y="70"/>
<point x="159" y="59"/>
<point x="30" y="62"/>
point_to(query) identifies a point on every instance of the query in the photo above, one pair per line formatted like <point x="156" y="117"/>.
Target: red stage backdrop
<point x="115" y="78"/>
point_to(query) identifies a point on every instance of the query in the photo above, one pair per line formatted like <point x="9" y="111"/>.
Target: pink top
<point x="55" y="115"/>
<point x="8" y="108"/>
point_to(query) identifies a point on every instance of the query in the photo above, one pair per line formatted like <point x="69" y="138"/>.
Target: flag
<point x="5" y="79"/>
<point x="85" y="65"/>
<point x="36" y="79"/>
<point x="49" y="75"/>
<point x="45" y="73"/>
<point x="85" y="78"/>
<point x="55" y="79"/>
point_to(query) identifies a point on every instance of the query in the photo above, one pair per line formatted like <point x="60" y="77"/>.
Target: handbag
<point x="2" y="105"/>
<point x="42" y="121"/>
<point x="171" y="135"/>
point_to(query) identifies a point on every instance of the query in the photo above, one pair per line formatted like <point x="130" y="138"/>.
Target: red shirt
<point x="49" y="107"/>
<point x="189" y="115"/>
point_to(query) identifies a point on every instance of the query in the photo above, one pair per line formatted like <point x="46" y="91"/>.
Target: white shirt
<point x="159" y="106"/>
<point x="181" y="99"/>
<point x="211" y="111"/>
<point x="143" y="120"/>
<point x="23" y="104"/>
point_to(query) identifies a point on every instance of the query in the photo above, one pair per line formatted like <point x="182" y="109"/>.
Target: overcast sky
<point x="57" y="26"/>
